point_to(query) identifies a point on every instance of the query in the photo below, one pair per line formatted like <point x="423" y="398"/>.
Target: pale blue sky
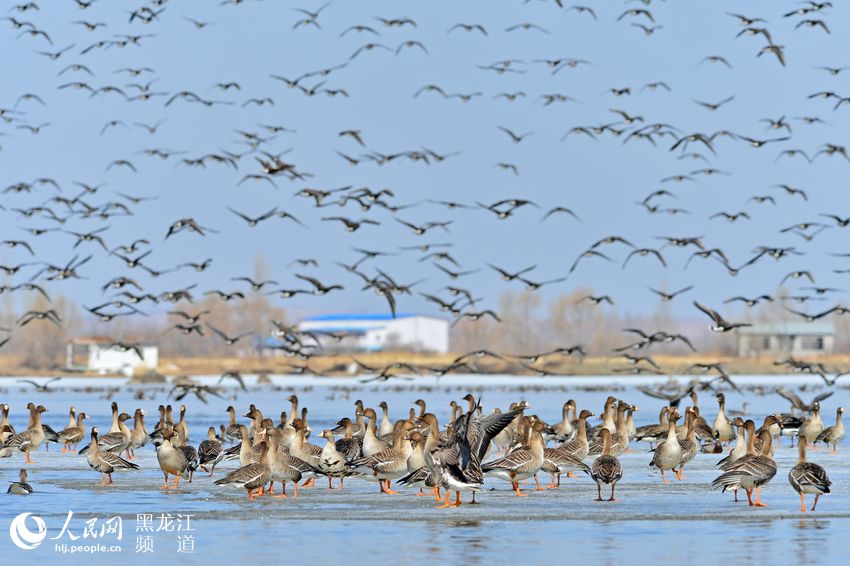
<point x="600" y="180"/>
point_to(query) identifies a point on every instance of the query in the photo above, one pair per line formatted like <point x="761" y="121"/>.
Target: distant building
<point x="379" y="332"/>
<point x="98" y="353"/>
<point x="788" y="338"/>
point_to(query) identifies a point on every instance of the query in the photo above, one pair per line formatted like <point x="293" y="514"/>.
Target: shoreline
<point x="343" y="365"/>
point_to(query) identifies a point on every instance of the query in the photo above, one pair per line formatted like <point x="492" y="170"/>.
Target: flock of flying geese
<point x="416" y="452"/>
<point x="84" y="217"/>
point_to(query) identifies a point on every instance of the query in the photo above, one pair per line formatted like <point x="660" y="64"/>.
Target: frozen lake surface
<point x="683" y="521"/>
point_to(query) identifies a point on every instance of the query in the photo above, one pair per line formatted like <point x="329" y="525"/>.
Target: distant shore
<point x="340" y="365"/>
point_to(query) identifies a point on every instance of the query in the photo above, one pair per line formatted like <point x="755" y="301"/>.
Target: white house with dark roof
<point x="787" y="338"/>
<point x="101" y="354"/>
<point x="379" y="332"/>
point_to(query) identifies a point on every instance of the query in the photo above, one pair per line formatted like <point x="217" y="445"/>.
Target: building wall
<point x="419" y="333"/>
<point x="750" y="345"/>
<point x="103" y="359"/>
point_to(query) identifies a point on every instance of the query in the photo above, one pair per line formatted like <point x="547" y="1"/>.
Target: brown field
<point x="340" y="364"/>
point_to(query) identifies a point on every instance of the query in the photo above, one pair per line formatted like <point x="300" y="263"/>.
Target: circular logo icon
<point x="24" y="538"/>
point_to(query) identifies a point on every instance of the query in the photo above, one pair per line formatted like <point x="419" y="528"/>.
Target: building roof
<point x="342" y="317"/>
<point x="81" y="340"/>
<point x="790" y="329"/>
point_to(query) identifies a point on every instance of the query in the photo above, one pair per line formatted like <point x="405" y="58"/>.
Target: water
<point x="651" y="521"/>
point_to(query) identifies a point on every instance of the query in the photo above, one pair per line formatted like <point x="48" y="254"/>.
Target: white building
<point x="379" y="332"/>
<point x="100" y="354"/>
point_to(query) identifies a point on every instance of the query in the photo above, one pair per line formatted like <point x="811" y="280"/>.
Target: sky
<point x="601" y="181"/>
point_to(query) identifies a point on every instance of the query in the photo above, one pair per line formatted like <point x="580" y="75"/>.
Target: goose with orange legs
<point x="750" y="472"/>
<point x="284" y="466"/>
<point x="30" y="439"/>
<point x="668" y="454"/>
<point x="105" y="462"/>
<point x="389" y="464"/>
<point x="808" y="478"/>
<point x="606" y="469"/>
<point x="303" y="450"/>
<point x="252" y="477"/>
<point x="172" y="460"/>
<point x="524" y="460"/>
